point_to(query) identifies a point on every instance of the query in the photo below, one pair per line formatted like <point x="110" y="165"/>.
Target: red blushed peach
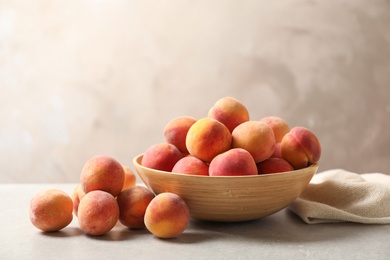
<point x="191" y="165"/>
<point x="274" y="165"/>
<point x="277" y="152"/>
<point x="167" y="215"/>
<point x="230" y="112"/>
<point x="98" y="212"/>
<point x="256" y="137"/>
<point x="76" y="196"/>
<point x="175" y="132"/>
<point x="234" y="162"/>
<point x="162" y="156"/>
<point x="300" y="147"/>
<point x="51" y="210"/>
<point x="130" y="178"/>
<point x="208" y="138"/>
<point x="102" y="173"/>
<point x="132" y="206"/>
<point x="278" y="125"/>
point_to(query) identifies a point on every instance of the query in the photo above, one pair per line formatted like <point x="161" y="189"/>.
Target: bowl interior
<point x="230" y="198"/>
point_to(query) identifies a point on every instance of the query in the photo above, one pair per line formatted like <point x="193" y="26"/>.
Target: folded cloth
<point x="342" y="196"/>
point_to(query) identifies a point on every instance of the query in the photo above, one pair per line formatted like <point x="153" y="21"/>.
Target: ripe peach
<point x="230" y="112"/>
<point x="132" y="206"/>
<point x="102" y="173"/>
<point x="191" y="165"/>
<point x="277" y="153"/>
<point x="278" y="125"/>
<point x="161" y="156"/>
<point x="256" y="137"/>
<point x="51" y="210"/>
<point x="175" y="132"/>
<point x="274" y="165"/>
<point x="300" y="147"/>
<point x="167" y="215"/>
<point x="207" y="138"/>
<point x="130" y="178"/>
<point x="234" y="162"/>
<point x="76" y="196"/>
<point x="98" y="212"/>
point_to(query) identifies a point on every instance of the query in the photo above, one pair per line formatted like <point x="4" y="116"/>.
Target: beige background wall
<point x="80" y="78"/>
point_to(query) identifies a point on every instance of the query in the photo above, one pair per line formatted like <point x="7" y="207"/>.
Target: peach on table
<point x="51" y="210"/>
<point x="102" y="172"/>
<point x="167" y="215"/>
<point x="132" y="206"/>
<point x="98" y="212"/>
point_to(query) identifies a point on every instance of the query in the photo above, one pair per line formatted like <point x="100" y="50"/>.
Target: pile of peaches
<point x="107" y="195"/>
<point x="228" y="143"/>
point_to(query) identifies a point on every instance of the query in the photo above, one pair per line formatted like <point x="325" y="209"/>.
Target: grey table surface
<point x="279" y="236"/>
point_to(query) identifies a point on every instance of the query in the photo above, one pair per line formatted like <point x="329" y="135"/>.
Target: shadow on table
<point x="121" y="234"/>
<point x="65" y="232"/>
<point x="282" y="227"/>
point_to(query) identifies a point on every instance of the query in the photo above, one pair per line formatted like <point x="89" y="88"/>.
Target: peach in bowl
<point x="229" y="198"/>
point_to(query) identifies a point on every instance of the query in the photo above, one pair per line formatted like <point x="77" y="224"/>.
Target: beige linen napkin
<point x="342" y="196"/>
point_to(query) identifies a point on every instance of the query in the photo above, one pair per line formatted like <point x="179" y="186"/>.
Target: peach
<point x="277" y="152"/>
<point x="51" y="210"/>
<point x="256" y="137"/>
<point x="234" y="162"/>
<point x="274" y="165"/>
<point x="102" y="173"/>
<point x="175" y="132"/>
<point x="76" y="196"/>
<point x="98" y="212"/>
<point x="278" y="125"/>
<point x="161" y="156"/>
<point x="300" y="147"/>
<point x="167" y="215"/>
<point x="230" y="112"/>
<point x="207" y="138"/>
<point x="191" y="165"/>
<point x="130" y="179"/>
<point x="132" y="206"/>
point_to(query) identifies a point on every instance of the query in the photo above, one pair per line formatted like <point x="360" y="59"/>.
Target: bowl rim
<point x="137" y="162"/>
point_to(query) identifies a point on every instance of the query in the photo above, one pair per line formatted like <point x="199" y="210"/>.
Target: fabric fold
<point x="342" y="196"/>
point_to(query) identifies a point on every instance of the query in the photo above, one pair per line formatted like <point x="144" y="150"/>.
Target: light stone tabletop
<point x="279" y="236"/>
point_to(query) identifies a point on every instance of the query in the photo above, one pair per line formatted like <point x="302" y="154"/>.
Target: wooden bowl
<point x="229" y="198"/>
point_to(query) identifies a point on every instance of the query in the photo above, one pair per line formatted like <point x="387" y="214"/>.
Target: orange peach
<point x="278" y="125"/>
<point x="300" y="147"/>
<point x="130" y="179"/>
<point x="161" y="156"/>
<point x="191" y="165"/>
<point x="274" y="165"/>
<point x="51" y="210"/>
<point x="175" y="132"/>
<point x="76" y="196"/>
<point x="98" y="212"/>
<point x="102" y="173"/>
<point x="207" y="138"/>
<point x="167" y="215"/>
<point x="132" y="206"/>
<point x="234" y="162"/>
<point x="256" y="137"/>
<point x="230" y="112"/>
